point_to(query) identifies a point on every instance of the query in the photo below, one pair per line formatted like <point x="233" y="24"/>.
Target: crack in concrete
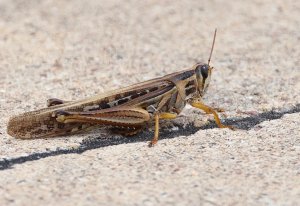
<point x="89" y="144"/>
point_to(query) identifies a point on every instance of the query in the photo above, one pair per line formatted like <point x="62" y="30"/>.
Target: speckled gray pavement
<point x="75" y="49"/>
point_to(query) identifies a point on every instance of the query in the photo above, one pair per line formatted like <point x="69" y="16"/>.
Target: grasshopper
<point x="126" y="110"/>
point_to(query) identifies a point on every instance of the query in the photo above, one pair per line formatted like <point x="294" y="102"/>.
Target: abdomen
<point x="28" y="125"/>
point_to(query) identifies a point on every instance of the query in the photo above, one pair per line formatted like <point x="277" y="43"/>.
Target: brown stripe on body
<point x="152" y="98"/>
<point x="190" y="88"/>
<point x="182" y="76"/>
<point x="190" y="83"/>
<point x="126" y="97"/>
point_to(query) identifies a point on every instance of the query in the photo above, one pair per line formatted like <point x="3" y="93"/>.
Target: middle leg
<point x="157" y="116"/>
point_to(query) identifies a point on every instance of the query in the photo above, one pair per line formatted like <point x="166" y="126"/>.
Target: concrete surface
<point x="75" y="49"/>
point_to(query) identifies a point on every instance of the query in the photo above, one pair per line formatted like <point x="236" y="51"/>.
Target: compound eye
<point x="204" y="71"/>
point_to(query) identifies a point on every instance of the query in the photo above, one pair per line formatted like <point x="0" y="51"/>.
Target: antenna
<point x="212" y="47"/>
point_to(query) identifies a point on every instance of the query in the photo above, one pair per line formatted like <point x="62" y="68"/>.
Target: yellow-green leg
<point x="209" y="110"/>
<point x="158" y="116"/>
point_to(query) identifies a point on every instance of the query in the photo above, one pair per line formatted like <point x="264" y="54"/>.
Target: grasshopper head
<point x="203" y="73"/>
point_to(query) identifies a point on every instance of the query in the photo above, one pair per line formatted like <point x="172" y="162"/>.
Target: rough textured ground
<point x="76" y="49"/>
